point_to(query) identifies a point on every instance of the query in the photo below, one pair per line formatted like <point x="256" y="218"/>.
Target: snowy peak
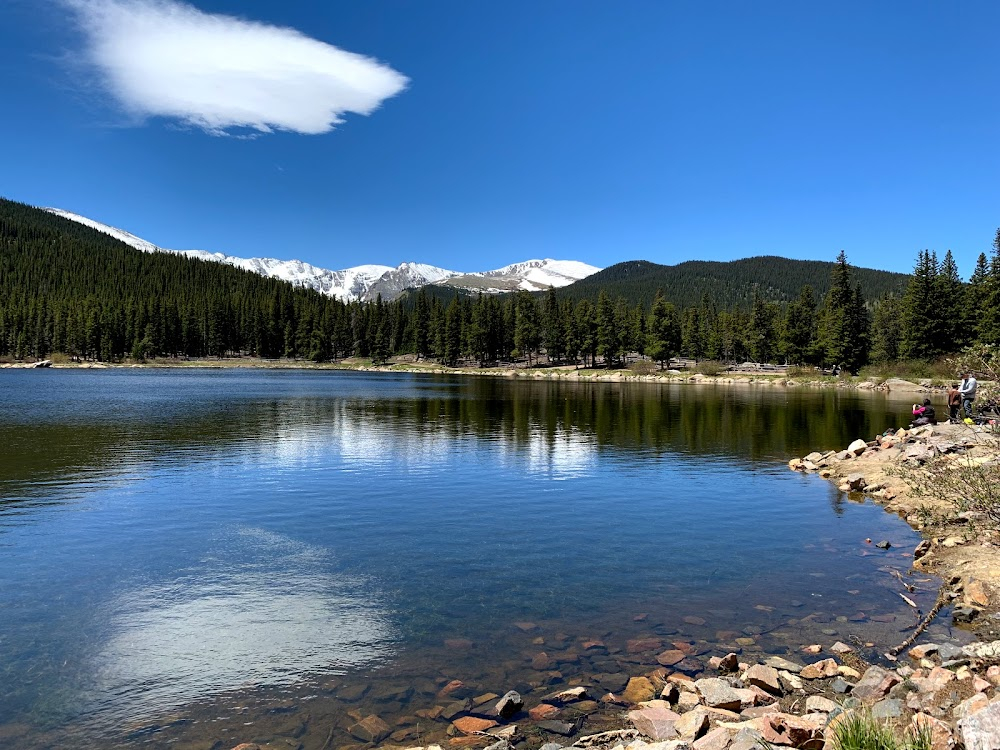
<point x="367" y="282"/>
<point x="405" y="276"/>
<point x="531" y="275"/>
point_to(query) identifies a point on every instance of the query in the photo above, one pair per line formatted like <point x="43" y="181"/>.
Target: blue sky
<point x="498" y="132"/>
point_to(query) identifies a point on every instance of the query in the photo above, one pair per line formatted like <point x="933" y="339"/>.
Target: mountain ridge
<point x="368" y="281"/>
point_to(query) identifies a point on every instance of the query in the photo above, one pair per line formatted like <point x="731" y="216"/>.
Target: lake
<point x="188" y="557"/>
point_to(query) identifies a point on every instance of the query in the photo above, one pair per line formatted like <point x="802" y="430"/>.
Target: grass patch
<point x="859" y="730"/>
<point x="940" y="371"/>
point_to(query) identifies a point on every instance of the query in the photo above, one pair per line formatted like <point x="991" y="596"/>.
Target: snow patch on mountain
<point x="367" y="282"/>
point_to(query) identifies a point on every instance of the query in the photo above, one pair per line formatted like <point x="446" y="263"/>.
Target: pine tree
<point x="526" y="330"/>
<point x="664" y="332"/>
<point x="887" y="329"/>
<point x="921" y="319"/>
<point x="989" y="330"/>
<point x="608" y="332"/>
<point x="950" y="299"/>
<point x="799" y="329"/>
<point x="554" y="333"/>
<point x="844" y="320"/>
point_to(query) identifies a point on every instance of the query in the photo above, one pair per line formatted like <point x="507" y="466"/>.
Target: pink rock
<point x="542" y="711"/>
<point x="670" y="657"/>
<point x="875" y="684"/>
<point x="824" y="668"/>
<point x="639" y="645"/>
<point x="655" y="722"/>
<point x="471" y="724"/>
<point x="941" y="736"/>
<point x="717" y="739"/>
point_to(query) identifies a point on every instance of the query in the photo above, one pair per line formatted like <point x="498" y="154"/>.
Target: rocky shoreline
<point x="559" y="373"/>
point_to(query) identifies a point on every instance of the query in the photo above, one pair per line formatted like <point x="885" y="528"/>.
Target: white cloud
<point x="163" y="58"/>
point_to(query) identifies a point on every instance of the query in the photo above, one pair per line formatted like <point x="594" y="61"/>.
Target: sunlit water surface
<point x="187" y="557"/>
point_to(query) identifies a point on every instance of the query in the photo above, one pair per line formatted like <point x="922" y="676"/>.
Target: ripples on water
<point x="198" y="541"/>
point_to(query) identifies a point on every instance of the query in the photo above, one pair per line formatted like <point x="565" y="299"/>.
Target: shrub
<point x="643" y="367"/>
<point x="801" y="371"/>
<point x="710" y="367"/>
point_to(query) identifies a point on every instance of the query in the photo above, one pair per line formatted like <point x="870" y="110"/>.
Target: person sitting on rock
<point x="923" y="414"/>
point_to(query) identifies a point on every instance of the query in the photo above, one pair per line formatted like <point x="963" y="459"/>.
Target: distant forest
<point x="69" y="289"/>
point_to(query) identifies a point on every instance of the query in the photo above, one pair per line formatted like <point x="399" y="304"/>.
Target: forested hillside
<point x="728" y="284"/>
<point x="70" y="289"/>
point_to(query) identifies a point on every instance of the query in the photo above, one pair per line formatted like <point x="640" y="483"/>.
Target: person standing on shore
<point x="968" y="393"/>
<point x="954" y="402"/>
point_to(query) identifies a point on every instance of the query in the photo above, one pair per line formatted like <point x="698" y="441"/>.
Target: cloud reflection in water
<point x="268" y="613"/>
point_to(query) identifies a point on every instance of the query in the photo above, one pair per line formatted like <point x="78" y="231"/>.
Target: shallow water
<point x="187" y="557"/>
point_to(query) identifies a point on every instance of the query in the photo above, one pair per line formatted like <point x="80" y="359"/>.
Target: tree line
<point x="65" y="288"/>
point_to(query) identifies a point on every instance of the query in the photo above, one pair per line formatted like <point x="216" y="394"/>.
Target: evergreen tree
<point x="799" y="329"/>
<point x="554" y="333"/>
<point x="664" y="332"/>
<point x="844" y="321"/>
<point x="921" y="318"/>
<point x="887" y="329"/>
<point x="950" y="300"/>
<point x="608" y="332"/>
<point x="989" y="327"/>
<point x="526" y="331"/>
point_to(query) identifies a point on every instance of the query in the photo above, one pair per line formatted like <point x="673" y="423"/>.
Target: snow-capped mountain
<point x="406" y="276"/>
<point x="366" y="282"/>
<point x="532" y="275"/>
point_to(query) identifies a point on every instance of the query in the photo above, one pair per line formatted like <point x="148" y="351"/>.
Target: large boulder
<point x="981" y="729"/>
<point x="903" y="386"/>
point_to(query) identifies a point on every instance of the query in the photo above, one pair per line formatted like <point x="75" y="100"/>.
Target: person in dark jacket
<point x="954" y="402"/>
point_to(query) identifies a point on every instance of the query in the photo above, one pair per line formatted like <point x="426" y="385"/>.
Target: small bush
<point x="802" y="371"/>
<point x="643" y="367"/>
<point x="710" y="367"/>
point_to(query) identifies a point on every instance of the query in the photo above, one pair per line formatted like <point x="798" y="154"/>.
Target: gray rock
<point x="557" y="727"/>
<point x="949" y="651"/>
<point x="551" y="746"/>
<point x="840" y="686"/>
<point x="890" y="708"/>
<point x="964" y="614"/>
<point x="747" y="739"/>
<point x="370" y="729"/>
<point x="510" y="704"/>
<point x="501" y="745"/>
<point x="781" y="663"/>
<point x="454" y="709"/>
<point x="718" y="693"/>
<point x="981" y="729"/>
<point x="884" y="544"/>
<point x="817" y="704"/>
